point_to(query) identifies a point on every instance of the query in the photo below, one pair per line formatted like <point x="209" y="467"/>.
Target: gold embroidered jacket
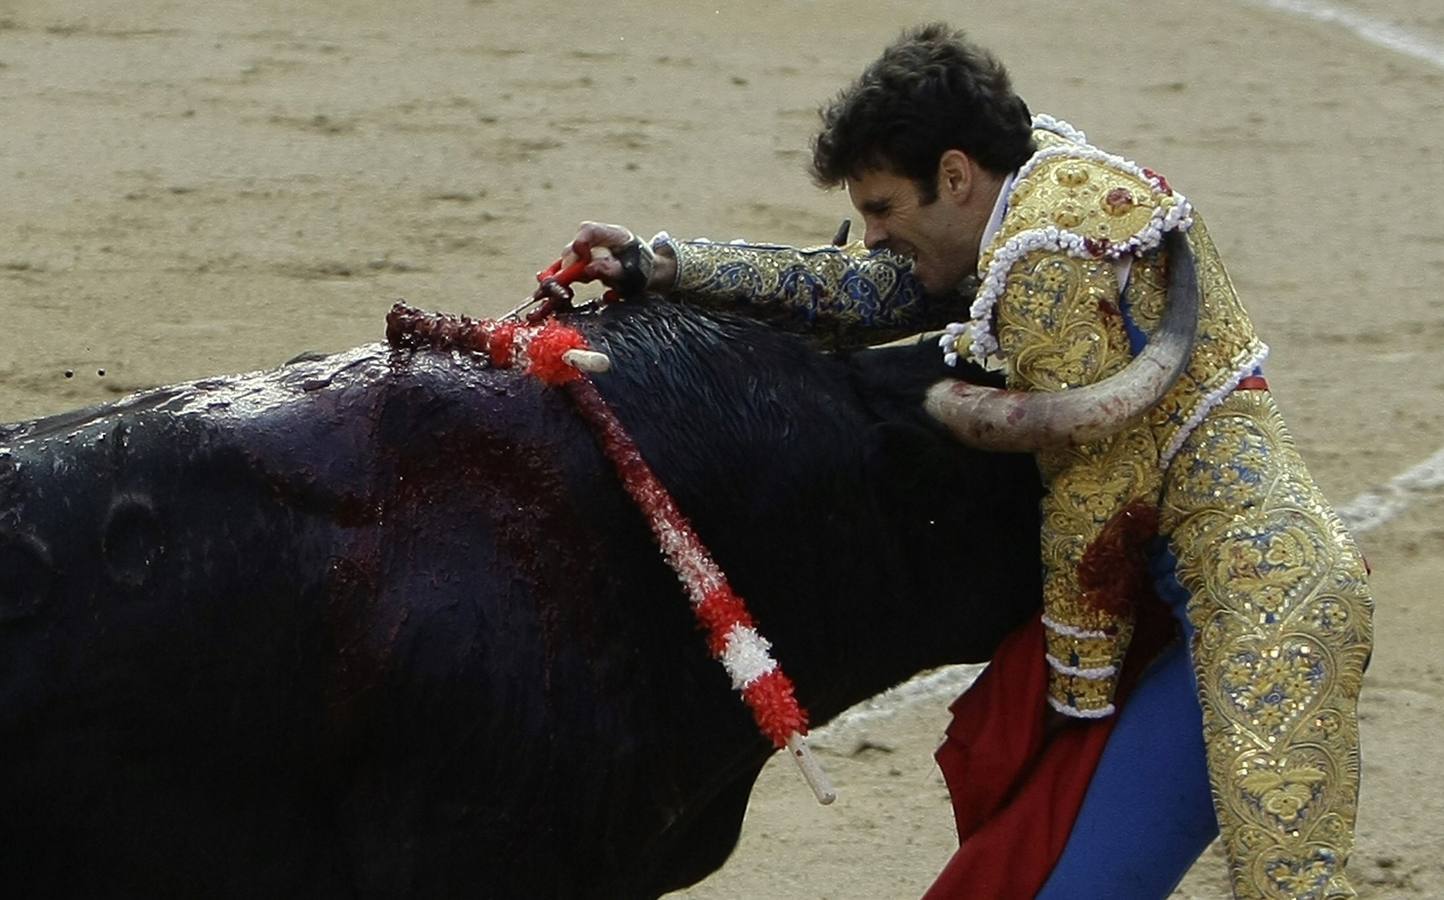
<point x="1050" y="307"/>
<point x="1277" y="590"/>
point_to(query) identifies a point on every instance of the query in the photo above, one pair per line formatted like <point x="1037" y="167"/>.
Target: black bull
<point x="384" y="624"/>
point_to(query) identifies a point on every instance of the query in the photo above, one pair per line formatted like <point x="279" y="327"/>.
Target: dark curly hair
<point x="930" y="91"/>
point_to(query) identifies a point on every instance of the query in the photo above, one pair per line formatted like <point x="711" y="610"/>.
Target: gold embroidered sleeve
<point x="847" y="296"/>
<point x="1284" y="620"/>
<point x="1059" y="326"/>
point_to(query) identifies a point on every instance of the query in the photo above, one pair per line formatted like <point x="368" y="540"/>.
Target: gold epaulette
<point x="1112" y="206"/>
<point x="1072" y="198"/>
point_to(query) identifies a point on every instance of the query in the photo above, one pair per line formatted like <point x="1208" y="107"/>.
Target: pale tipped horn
<point x="1020" y="421"/>
<point x="589" y="361"/>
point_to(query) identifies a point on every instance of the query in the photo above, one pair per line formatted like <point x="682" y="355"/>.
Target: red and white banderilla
<point x="558" y="355"/>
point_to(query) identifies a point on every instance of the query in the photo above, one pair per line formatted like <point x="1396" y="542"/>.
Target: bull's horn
<point x="589" y="361"/>
<point x="994" y="419"/>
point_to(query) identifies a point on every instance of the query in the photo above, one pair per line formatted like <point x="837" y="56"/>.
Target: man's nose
<point x="874" y="235"/>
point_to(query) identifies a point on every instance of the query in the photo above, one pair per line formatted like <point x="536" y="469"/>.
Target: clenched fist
<point x="628" y="266"/>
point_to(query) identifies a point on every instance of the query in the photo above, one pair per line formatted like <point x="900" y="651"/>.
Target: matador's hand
<point x="629" y="266"/>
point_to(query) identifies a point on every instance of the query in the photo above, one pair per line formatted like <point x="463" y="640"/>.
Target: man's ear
<point x="955" y="174"/>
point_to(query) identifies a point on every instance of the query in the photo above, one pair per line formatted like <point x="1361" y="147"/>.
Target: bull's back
<point x="260" y="634"/>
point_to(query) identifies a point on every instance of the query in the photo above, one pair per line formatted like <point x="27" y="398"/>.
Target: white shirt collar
<point x="1000" y="209"/>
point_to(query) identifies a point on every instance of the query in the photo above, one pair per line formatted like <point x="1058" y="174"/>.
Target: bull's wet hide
<point x="383" y="623"/>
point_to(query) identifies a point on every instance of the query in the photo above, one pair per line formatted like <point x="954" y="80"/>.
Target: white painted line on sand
<point x="1375" y="507"/>
<point x="846" y="732"/>
<point x="1364" y="513"/>
<point x="1375" y="31"/>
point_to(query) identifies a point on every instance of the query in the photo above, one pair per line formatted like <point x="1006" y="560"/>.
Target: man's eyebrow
<point x="876" y="207"/>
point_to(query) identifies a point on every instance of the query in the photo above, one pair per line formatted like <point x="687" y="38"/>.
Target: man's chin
<point x="966" y="287"/>
<point x="932" y="286"/>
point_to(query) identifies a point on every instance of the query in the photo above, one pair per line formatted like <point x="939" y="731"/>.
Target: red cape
<point x="1015" y="792"/>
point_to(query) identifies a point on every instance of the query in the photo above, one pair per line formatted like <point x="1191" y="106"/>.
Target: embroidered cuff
<point x="1080" y="697"/>
<point x="1083" y="668"/>
<point x="1079" y="649"/>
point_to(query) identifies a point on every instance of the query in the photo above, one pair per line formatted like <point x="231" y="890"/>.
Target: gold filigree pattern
<point x="1284" y="627"/>
<point x="849" y="294"/>
<point x="1049" y="322"/>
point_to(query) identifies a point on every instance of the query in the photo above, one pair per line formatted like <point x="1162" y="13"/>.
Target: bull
<point x="383" y="623"/>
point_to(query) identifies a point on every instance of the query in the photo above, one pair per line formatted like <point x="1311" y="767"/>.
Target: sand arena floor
<point x="190" y="189"/>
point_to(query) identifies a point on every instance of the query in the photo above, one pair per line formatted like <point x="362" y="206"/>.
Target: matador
<point x="1269" y="587"/>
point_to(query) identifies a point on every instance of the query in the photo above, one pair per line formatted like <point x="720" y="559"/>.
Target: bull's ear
<point x="916" y="471"/>
<point x="944" y="509"/>
<point x="906" y="455"/>
<point x="908" y="470"/>
<point x="925" y="478"/>
<point x="894" y="380"/>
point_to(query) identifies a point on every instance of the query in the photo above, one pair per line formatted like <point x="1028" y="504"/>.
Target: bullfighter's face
<point x="940" y="235"/>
